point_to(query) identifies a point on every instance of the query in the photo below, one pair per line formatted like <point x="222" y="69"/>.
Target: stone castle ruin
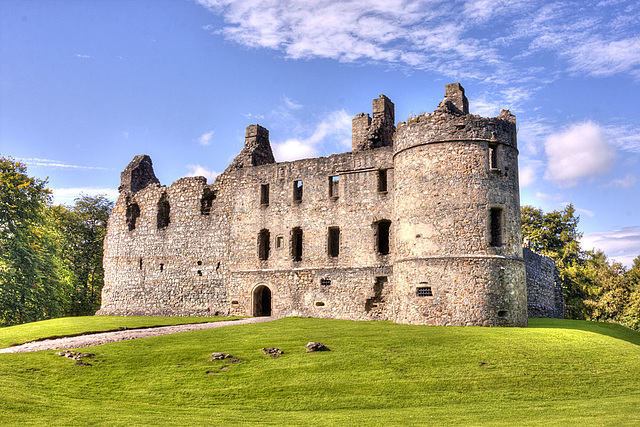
<point x="418" y="224"/>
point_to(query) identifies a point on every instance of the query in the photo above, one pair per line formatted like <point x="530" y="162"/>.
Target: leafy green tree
<point x="81" y="231"/>
<point x="631" y="314"/>
<point x="29" y="281"/>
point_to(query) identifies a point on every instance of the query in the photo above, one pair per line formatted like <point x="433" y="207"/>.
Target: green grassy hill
<point x="555" y="372"/>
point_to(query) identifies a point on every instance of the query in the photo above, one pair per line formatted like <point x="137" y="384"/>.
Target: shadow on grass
<point x="609" y="329"/>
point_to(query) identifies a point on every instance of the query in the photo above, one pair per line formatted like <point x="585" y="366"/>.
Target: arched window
<point x="133" y="212"/>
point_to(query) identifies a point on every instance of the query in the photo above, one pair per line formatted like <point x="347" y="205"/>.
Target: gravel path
<point x="128" y="334"/>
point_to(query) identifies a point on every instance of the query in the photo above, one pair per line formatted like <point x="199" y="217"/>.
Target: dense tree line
<point x="594" y="287"/>
<point x="50" y="256"/>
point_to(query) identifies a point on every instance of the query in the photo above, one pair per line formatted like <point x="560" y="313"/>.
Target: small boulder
<point x="220" y="356"/>
<point x="273" y="352"/>
<point x="315" y="346"/>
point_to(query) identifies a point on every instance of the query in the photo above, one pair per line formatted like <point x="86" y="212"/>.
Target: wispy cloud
<point x="48" y="163"/>
<point x="453" y="38"/>
<point x="78" y="55"/>
<point x="623" y="245"/>
<point x="628" y="181"/>
<point x="205" y="138"/>
<point x="336" y="130"/>
<point x="67" y="196"/>
<point x="197" y="170"/>
<point x="579" y="152"/>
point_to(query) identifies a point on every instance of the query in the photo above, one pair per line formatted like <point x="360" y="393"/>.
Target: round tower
<point x="458" y="254"/>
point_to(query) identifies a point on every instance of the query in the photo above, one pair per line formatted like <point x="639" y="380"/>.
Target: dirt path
<point x="128" y="334"/>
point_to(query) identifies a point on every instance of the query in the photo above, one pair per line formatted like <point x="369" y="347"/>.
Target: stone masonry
<point x="418" y="224"/>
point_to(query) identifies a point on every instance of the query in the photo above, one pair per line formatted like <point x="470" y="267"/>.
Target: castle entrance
<point x="261" y="301"/>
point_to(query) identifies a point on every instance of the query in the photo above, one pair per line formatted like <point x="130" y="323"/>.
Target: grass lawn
<point x="75" y="325"/>
<point x="555" y="372"/>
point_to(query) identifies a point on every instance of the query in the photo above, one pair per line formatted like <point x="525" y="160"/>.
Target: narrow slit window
<point x="279" y="242"/>
<point x="264" y="194"/>
<point x="496" y="227"/>
<point x="333" y="244"/>
<point x="133" y="213"/>
<point x="382" y="181"/>
<point x="263" y="245"/>
<point x="206" y="202"/>
<point x="493" y="156"/>
<point x="382" y="236"/>
<point x="334" y="186"/>
<point x="296" y="244"/>
<point x="164" y="211"/>
<point x="297" y="191"/>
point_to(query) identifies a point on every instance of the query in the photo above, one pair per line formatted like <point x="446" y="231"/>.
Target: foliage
<point x="376" y="373"/>
<point x="594" y="288"/>
<point x="30" y="285"/>
<point x="81" y="230"/>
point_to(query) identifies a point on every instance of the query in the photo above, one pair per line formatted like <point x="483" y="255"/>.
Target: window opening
<point x="297" y="190"/>
<point x="264" y="194"/>
<point x="503" y="313"/>
<point x="424" y="291"/>
<point x="319" y="304"/>
<point x="263" y="245"/>
<point x="333" y="245"/>
<point x="133" y="213"/>
<point x="378" y="287"/>
<point x="493" y="156"/>
<point x="279" y="242"/>
<point x="199" y="272"/>
<point x="164" y="210"/>
<point x="382" y="236"/>
<point x="140" y="263"/>
<point x="206" y="202"/>
<point x="334" y="186"/>
<point x="161" y="266"/>
<point x="382" y="181"/>
<point x="325" y="282"/>
<point x="296" y="244"/>
<point x="496" y="227"/>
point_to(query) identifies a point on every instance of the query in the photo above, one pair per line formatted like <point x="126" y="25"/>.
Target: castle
<point x="418" y="224"/>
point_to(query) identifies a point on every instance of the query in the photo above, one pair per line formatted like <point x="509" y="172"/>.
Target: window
<point x="382" y="236"/>
<point x="319" y="304"/>
<point x="296" y="244"/>
<point x="263" y="245"/>
<point x="333" y="243"/>
<point x="264" y="194"/>
<point x="424" y="291"/>
<point x="206" y="202"/>
<point x="382" y="181"/>
<point x="133" y="212"/>
<point x="279" y="242"/>
<point x="297" y="191"/>
<point x="163" y="212"/>
<point x="161" y="266"/>
<point x="496" y="227"/>
<point x="493" y="156"/>
<point x="334" y="190"/>
<point x="325" y="282"/>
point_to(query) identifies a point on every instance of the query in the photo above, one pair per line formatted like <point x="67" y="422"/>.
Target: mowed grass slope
<point x="555" y="372"/>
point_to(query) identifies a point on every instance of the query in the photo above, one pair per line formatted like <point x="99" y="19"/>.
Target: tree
<point x="29" y="280"/>
<point x="81" y="231"/>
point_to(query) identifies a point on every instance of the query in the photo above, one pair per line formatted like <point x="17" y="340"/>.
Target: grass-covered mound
<point x="554" y="372"/>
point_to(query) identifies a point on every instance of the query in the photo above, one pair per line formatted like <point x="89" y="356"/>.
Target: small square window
<point x="279" y="242"/>
<point x="334" y="186"/>
<point x="424" y="291"/>
<point x="325" y="282"/>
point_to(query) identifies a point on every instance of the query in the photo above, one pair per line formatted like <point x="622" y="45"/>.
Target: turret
<point x="458" y="255"/>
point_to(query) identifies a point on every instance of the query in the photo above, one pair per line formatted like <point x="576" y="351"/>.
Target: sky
<point x="85" y="85"/>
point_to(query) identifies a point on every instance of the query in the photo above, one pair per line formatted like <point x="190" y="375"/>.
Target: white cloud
<point x="78" y="55"/>
<point x="628" y="181"/>
<point x="474" y="39"/>
<point x="527" y="176"/>
<point x="335" y="129"/>
<point x="531" y="135"/>
<point x="67" y="196"/>
<point x="623" y="245"/>
<point x="48" y="163"/>
<point x="197" y="170"/>
<point x="291" y="104"/>
<point x="552" y="197"/>
<point x="205" y="138"/>
<point x="579" y="152"/>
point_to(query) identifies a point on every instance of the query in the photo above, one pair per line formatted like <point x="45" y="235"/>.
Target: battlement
<point x="367" y="133"/>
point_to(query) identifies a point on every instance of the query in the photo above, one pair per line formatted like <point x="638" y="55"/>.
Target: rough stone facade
<point x="419" y="225"/>
<point x="544" y="289"/>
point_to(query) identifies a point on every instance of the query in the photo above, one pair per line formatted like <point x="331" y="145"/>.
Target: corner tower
<point x="458" y="255"/>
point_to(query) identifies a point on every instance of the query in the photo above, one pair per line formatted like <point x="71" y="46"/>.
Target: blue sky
<point x="87" y="85"/>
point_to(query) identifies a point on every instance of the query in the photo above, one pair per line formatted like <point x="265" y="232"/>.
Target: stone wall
<point x="544" y="290"/>
<point x="401" y="228"/>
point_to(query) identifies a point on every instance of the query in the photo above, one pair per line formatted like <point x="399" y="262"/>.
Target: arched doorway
<point x="262" y="301"/>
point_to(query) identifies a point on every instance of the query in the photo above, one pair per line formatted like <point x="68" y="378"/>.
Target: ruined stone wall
<point x="444" y="185"/>
<point x="544" y="290"/>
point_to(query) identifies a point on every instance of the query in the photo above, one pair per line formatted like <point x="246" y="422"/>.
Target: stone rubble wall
<point x="544" y="289"/>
